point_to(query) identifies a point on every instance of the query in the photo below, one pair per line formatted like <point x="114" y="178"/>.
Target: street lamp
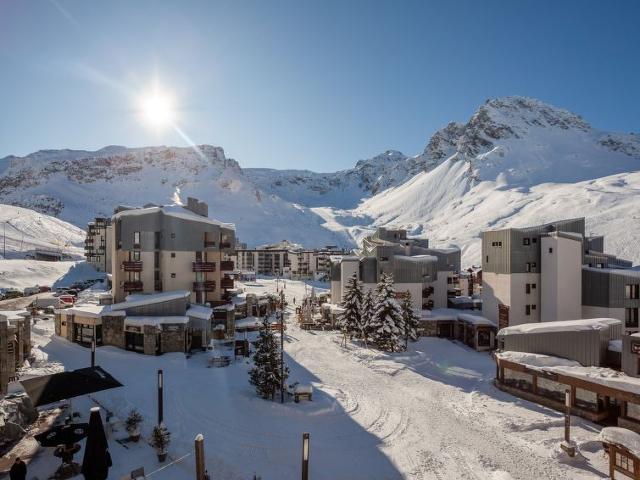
<point x="160" y="386"/>
<point x="305" y="456"/>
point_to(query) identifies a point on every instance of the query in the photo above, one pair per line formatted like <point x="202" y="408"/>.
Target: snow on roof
<point x="155" y="321"/>
<point x="560" y="326"/>
<point x="226" y="307"/>
<point x="615" y="346"/>
<point x="475" y="319"/>
<point x="177" y="211"/>
<point x="12" y="315"/>
<point x="199" y="311"/>
<point x="333" y="308"/>
<point x="139" y="300"/>
<point x="417" y="258"/>
<point x="460" y="300"/>
<point x="92" y="310"/>
<point x="621" y="437"/>
<point x="629" y="272"/>
<point x="439" y="314"/>
<point x="599" y="375"/>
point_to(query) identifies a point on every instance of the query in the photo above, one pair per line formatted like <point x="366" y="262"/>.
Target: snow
<point x="199" y="311"/>
<point x="12" y="315"/>
<point x="600" y="375"/>
<point x="475" y="319"/>
<point x="615" y="346"/>
<point x="140" y="321"/>
<point x="172" y="210"/>
<point x="92" y="310"/>
<point x="141" y="299"/>
<point x="621" y="437"/>
<point x="560" y="326"/>
<point x="421" y="414"/>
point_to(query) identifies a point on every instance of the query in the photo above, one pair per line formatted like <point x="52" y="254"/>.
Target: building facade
<point x="170" y="248"/>
<point x="427" y="273"/>
<point x="95" y="245"/>
<point x="554" y="272"/>
<point x="15" y="344"/>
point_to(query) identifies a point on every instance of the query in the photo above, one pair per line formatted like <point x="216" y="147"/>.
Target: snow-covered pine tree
<point x="409" y="319"/>
<point x="265" y="374"/>
<point x="366" y="315"/>
<point x="352" y="304"/>
<point x="387" y="327"/>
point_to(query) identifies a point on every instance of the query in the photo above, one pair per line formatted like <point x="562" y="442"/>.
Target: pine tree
<point x="366" y="317"/>
<point x="387" y="325"/>
<point x="352" y="303"/>
<point x="410" y="320"/>
<point x="265" y="374"/>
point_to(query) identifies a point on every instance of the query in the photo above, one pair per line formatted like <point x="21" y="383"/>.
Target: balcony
<point x="226" y="266"/>
<point x="133" y="286"/>
<point x="88" y="241"/>
<point x="132" y="266"/>
<point x="209" y="244"/>
<point x="203" y="267"/>
<point x="226" y="283"/>
<point x="225" y="244"/>
<point x="208" y="286"/>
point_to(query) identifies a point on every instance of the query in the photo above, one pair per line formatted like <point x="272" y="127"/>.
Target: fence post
<point x="199" y="447"/>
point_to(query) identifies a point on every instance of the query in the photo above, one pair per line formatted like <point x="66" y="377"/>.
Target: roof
<point x="177" y="211"/>
<point x="621" y="437"/>
<point x="628" y="272"/>
<point x="92" y="310"/>
<point x="139" y="300"/>
<point x="560" y="326"/>
<point x="140" y="321"/>
<point x="475" y="319"/>
<point x="12" y="315"/>
<point x="199" y="311"/>
<point x="599" y="375"/>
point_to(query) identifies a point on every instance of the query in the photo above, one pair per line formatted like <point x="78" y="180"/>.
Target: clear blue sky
<point x="302" y="84"/>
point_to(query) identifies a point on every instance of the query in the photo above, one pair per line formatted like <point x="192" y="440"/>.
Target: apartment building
<point x="311" y="263"/>
<point x="427" y="273"/>
<point x="554" y="272"/>
<point x="15" y="344"/>
<point x="171" y="248"/>
<point x="272" y="259"/>
<point x="95" y="245"/>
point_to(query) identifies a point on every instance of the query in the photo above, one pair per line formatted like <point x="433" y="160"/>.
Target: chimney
<point x="197" y="207"/>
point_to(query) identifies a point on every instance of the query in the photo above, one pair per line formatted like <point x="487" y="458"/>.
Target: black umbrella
<point x="96" y="461"/>
<point x="63" y="435"/>
<point x="61" y="386"/>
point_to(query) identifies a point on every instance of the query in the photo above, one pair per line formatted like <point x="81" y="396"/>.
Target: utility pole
<point x="281" y="346"/>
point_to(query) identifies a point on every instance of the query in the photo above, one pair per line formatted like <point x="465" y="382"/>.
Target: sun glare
<point x="156" y="108"/>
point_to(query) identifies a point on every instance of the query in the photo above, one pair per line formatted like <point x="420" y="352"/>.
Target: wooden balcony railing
<point x="203" y="267"/>
<point x="133" y="286"/>
<point x="226" y="283"/>
<point x="132" y="266"/>
<point x="208" y="286"/>
<point x="226" y="266"/>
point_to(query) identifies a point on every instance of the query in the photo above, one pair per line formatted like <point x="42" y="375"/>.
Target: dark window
<point x="631" y="317"/>
<point x="533" y="307"/>
<point x="173" y="275"/>
<point x="136" y="239"/>
<point x="525" y="241"/>
<point x="533" y="286"/>
<point x="632" y="292"/>
<point x="487" y="259"/>
<point x="534" y="240"/>
<point x="156" y="240"/>
<point x="528" y="288"/>
<point x="531" y="267"/>
<point x="550" y="250"/>
<point x="173" y="235"/>
<point x="527" y="309"/>
<point x="173" y="254"/>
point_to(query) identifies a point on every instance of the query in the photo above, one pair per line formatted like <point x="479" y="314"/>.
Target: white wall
<point x="348" y="268"/>
<point x="414" y="288"/>
<point x="561" y="279"/>
<point x="496" y="289"/>
<point x="520" y="299"/>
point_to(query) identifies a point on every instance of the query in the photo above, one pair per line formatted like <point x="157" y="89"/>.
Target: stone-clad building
<point x="15" y="344"/>
<point x="151" y="324"/>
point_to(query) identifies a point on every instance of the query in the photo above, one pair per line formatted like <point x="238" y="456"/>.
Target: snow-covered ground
<point x="429" y="413"/>
<point x="28" y="273"/>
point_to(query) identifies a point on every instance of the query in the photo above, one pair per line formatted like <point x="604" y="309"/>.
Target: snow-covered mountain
<point x="516" y="161"/>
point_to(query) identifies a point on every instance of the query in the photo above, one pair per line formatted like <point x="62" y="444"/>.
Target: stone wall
<point x="4" y="358"/>
<point x="150" y="333"/>
<point x="56" y="324"/>
<point x="172" y="338"/>
<point x="113" y="331"/>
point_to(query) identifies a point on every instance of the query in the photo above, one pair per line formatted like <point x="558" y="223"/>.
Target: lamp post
<point x="160" y="386"/>
<point x="305" y="456"/>
<point x="93" y="353"/>
<point x="199" y="447"/>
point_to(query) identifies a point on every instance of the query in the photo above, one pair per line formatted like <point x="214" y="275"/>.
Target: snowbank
<point x="560" y="326"/>
<point x="621" y="437"/>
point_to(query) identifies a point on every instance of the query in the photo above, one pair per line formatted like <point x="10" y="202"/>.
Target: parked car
<point x="31" y="291"/>
<point x="11" y="293"/>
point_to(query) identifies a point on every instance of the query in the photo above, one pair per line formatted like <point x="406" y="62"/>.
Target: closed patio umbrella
<point x="96" y="461"/>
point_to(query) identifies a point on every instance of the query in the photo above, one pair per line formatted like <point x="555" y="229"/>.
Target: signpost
<point x="305" y="456"/>
<point x="93" y="352"/>
<point x="567" y="445"/>
<point x="160" y="386"/>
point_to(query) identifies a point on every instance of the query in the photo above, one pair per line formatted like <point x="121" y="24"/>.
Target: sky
<point x="303" y="84"/>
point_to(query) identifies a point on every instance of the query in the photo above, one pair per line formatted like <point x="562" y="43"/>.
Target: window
<point x="135" y="276"/>
<point x="136" y="256"/>
<point x="528" y="288"/>
<point x="173" y="254"/>
<point x="533" y="286"/>
<point x="550" y="250"/>
<point x="157" y="240"/>
<point x="136" y="239"/>
<point x="487" y="260"/>
<point x="631" y="317"/>
<point x="531" y="267"/>
<point x="173" y="275"/>
<point x="526" y="241"/>
<point x="534" y="240"/>
<point x="527" y="309"/>
<point x="533" y="307"/>
<point x="624" y="463"/>
<point x="496" y="244"/>
<point x="173" y="235"/>
<point x="632" y="292"/>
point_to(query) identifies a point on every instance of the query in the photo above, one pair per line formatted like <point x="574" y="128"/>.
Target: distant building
<point x="427" y="273"/>
<point x="95" y="245"/>
<point x="15" y="344"/>
<point x="554" y="272"/>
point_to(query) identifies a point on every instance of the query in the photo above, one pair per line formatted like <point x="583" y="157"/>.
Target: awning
<point x="61" y="386"/>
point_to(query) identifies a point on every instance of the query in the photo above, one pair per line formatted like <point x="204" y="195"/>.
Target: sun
<point x="157" y="108"/>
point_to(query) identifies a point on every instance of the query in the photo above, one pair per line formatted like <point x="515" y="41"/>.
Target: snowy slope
<point x="77" y="186"/>
<point x="24" y="230"/>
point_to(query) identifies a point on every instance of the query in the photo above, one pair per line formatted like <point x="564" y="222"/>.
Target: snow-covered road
<point x="429" y="413"/>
